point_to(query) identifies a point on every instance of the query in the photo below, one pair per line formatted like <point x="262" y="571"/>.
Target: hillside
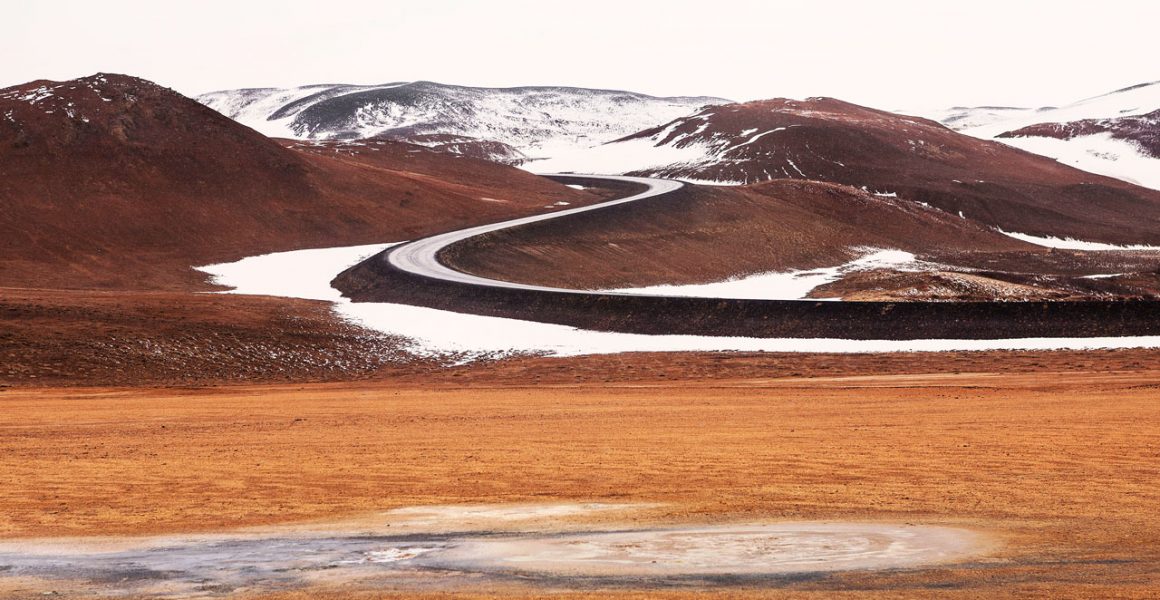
<point x="712" y="234"/>
<point x="504" y="124"/>
<point x="111" y="181"/>
<point x="1114" y="134"/>
<point x="915" y="159"/>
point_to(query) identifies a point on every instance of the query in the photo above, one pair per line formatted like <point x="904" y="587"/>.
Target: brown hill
<point x="704" y="234"/>
<point x="1142" y="130"/>
<point x="111" y="181"/>
<point x="919" y="160"/>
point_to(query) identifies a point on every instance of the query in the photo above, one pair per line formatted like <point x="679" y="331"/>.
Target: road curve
<point x="421" y="257"/>
<point x="412" y="274"/>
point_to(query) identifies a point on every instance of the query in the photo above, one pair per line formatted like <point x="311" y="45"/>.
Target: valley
<point x="347" y="341"/>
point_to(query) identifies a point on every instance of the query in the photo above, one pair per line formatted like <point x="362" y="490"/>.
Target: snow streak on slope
<point x="790" y="285"/>
<point x="1097" y="152"/>
<point x="672" y="149"/>
<point x="1136" y="100"/>
<point x="1073" y="244"/>
<point x="253" y="107"/>
<point x="537" y="121"/>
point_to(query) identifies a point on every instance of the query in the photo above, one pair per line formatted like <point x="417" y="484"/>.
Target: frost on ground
<point x="454" y="336"/>
<point x="790" y="285"/>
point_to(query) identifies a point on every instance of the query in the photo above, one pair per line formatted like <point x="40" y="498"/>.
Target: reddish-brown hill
<point x="1142" y="130"/>
<point x="111" y="181"/>
<point x="704" y="234"/>
<point x="919" y="160"/>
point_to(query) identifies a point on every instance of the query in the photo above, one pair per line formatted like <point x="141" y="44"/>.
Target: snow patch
<point x="1072" y="244"/>
<point x="1097" y="153"/>
<point x="307" y="274"/>
<point x="539" y="122"/>
<point x="789" y="285"/>
<point x="639" y="154"/>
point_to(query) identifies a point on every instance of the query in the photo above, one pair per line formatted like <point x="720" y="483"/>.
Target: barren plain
<point x="1055" y="462"/>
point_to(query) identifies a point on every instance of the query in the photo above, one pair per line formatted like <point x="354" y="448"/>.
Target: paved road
<point x="421" y="256"/>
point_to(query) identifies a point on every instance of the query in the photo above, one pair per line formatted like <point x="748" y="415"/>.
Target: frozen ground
<point x="379" y="556"/>
<point x="307" y="274"/>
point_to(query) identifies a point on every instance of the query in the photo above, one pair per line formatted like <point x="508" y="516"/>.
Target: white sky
<point x="892" y="54"/>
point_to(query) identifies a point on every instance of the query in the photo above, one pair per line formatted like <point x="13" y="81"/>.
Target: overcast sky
<point x="891" y="54"/>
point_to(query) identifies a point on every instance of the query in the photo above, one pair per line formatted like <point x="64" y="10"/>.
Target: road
<point x="412" y="274"/>
<point x="420" y="257"/>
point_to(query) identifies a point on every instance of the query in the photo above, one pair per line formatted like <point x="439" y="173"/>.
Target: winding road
<point x="420" y="257"/>
<point x="412" y="274"/>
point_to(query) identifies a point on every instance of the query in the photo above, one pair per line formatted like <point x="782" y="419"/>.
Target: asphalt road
<point x="420" y="257"/>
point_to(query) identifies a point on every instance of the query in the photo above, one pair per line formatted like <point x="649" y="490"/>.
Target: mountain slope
<point x="915" y="159"/>
<point x="1141" y="130"/>
<point x="114" y="182"/>
<point x="525" y="122"/>
<point x="782" y="239"/>
<point x="1115" y="134"/>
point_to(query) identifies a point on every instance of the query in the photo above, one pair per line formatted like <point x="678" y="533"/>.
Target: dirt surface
<point x="1061" y="466"/>
<point x="86" y="338"/>
<point x="75" y="337"/>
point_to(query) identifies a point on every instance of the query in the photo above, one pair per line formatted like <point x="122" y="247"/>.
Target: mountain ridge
<point x="533" y="121"/>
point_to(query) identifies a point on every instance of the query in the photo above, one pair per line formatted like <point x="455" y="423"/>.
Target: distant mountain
<point x="919" y="160"/>
<point x="1115" y="134"/>
<point x="1141" y="130"/>
<point x="112" y="181"/>
<point x="504" y="124"/>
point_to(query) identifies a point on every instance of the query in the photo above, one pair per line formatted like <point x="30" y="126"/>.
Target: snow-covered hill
<point x="512" y="123"/>
<point x="1114" y="134"/>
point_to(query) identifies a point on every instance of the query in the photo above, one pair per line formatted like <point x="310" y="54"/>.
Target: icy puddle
<point x="740" y="550"/>
<point x="474" y="555"/>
